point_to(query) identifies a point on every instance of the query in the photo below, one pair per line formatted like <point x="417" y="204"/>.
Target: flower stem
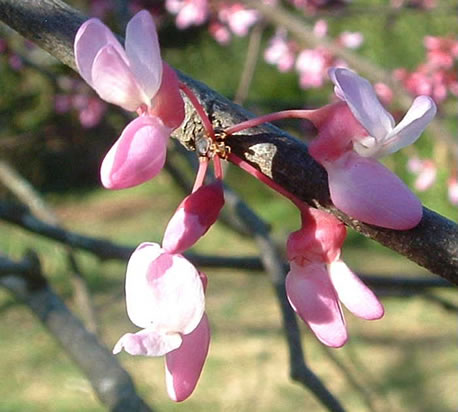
<point x="266" y="180"/>
<point x="271" y="117"/>
<point x="201" y="172"/>
<point x="200" y="110"/>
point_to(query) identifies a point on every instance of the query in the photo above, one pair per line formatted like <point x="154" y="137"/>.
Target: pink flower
<point x="352" y="40"/>
<point x="219" y="32"/>
<point x="319" y="279"/>
<point x="352" y="136"/>
<point x="312" y="65"/>
<point x="320" y="28"/>
<point x="453" y="190"/>
<point x="425" y="170"/>
<point x="137" y="80"/>
<point x="189" y="12"/>
<point x="280" y="52"/>
<point x="193" y="218"/>
<point x="165" y="297"/>
<point x="384" y="93"/>
<point x="238" y="18"/>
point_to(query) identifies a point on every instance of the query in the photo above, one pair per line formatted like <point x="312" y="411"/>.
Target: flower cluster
<point x="437" y="76"/>
<point x="231" y="17"/>
<point x="165" y="293"/>
<point x="311" y="64"/>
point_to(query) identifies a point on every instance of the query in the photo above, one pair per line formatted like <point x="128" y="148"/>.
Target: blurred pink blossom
<point x="188" y="12"/>
<point x="352" y="40"/>
<point x="238" y="18"/>
<point x="426" y="171"/>
<point x="320" y="28"/>
<point x="280" y="52"/>
<point x="384" y="93"/>
<point x="219" y="32"/>
<point x="453" y="190"/>
<point x="312" y="65"/>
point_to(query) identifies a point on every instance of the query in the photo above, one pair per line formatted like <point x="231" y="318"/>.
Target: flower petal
<point x="168" y="103"/>
<point x="360" y="96"/>
<point x="368" y="191"/>
<point x="163" y="291"/>
<point x="142" y="48"/>
<point x="183" y="366"/>
<point x="148" y="342"/>
<point x="313" y="297"/>
<point x="410" y="128"/>
<point x="137" y="156"/>
<point x="92" y="36"/>
<point x="353" y="293"/>
<point x="114" y="81"/>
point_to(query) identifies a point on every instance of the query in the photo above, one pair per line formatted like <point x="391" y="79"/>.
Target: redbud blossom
<point x="136" y="79"/>
<point x="164" y="296"/>
<point x="350" y="139"/>
<point x="319" y="279"/>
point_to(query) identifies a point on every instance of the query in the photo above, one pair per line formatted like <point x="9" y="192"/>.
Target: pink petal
<point x="184" y="365"/>
<point x="410" y="128"/>
<point x="114" y="81"/>
<point x="92" y="36"/>
<point x="363" y="102"/>
<point x="313" y="297"/>
<point x="193" y="218"/>
<point x="137" y="156"/>
<point x="148" y="343"/>
<point x="353" y="293"/>
<point x="320" y="238"/>
<point x="142" y="48"/>
<point x="164" y="292"/>
<point x="168" y="104"/>
<point x="366" y="190"/>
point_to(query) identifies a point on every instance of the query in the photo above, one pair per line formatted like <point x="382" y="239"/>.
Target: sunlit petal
<point x="148" y="343"/>
<point x="142" y="48"/>
<point x="366" y="190"/>
<point x="183" y="366"/>
<point x="137" y="156"/>
<point x="313" y="297"/>
<point x="353" y="293"/>
<point x="363" y="102"/>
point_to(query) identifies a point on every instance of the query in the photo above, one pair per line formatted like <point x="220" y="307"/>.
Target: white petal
<point x="142" y="48"/>
<point x="114" y="81"/>
<point x="163" y="291"/>
<point x="353" y="293"/>
<point x="410" y="128"/>
<point x="148" y="342"/>
<point x="362" y="100"/>
<point x="92" y="36"/>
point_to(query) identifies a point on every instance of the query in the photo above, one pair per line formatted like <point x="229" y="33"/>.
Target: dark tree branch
<point x="110" y="381"/>
<point x="104" y="249"/>
<point x="433" y="244"/>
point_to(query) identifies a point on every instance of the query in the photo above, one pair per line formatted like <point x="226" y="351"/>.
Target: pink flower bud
<point x="193" y="217"/>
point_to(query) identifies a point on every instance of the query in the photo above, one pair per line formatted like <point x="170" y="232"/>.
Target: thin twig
<point x="110" y="381"/>
<point x="249" y="67"/>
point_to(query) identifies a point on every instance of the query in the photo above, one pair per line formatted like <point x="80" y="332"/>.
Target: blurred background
<point x="54" y="131"/>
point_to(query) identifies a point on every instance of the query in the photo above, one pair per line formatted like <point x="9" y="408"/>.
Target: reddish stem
<point x="200" y="110"/>
<point x="266" y="180"/>
<point x="201" y="172"/>
<point x="271" y="117"/>
<point x="218" y="167"/>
